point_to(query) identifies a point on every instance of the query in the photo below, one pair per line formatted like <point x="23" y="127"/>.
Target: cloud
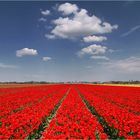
<point x="2" y="65"/>
<point x="79" y="24"/>
<point x="43" y="19"/>
<point x="93" y="50"/>
<point x="128" y="65"/>
<point x="46" y="58"/>
<point x="50" y="36"/>
<point x="45" y="13"/>
<point x="94" y="38"/>
<point x="68" y="8"/>
<point x="131" y="31"/>
<point x="26" y="51"/>
<point x="111" y="50"/>
<point x="100" y="57"/>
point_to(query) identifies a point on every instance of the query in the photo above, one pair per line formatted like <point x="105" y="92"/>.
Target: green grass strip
<point x="111" y="132"/>
<point x="37" y="133"/>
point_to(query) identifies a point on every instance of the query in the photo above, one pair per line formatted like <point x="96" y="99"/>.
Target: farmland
<point x="69" y="111"/>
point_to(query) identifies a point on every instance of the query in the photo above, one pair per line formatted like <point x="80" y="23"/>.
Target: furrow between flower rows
<point x="120" y="96"/>
<point x="37" y="133"/>
<point x="22" y="123"/>
<point x="74" y="121"/>
<point x="111" y="132"/>
<point x="117" y="122"/>
<point x="30" y="98"/>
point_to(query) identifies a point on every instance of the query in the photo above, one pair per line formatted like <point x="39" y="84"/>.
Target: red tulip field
<point x="70" y="111"/>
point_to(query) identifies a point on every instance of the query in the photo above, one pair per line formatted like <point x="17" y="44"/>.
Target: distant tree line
<point x="71" y="82"/>
<point x="123" y="82"/>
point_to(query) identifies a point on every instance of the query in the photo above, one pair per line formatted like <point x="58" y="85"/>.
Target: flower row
<point x="74" y="121"/>
<point x="22" y="123"/>
<point x="126" y="123"/>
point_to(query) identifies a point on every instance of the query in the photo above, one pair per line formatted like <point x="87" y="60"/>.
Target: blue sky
<point x="69" y="41"/>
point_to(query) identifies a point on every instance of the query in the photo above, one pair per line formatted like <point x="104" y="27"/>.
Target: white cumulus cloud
<point x="68" y="8"/>
<point x="45" y="13"/>
<point x="93" y="50"/>
<point x="94" y="38"/>
<point x="26" y="51"/>
<point x="46" y="58"/>
<point x="79" y="24"/>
